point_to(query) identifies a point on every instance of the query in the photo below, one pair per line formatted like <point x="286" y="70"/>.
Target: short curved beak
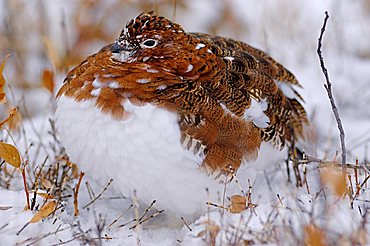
<point x="116" y="48"/>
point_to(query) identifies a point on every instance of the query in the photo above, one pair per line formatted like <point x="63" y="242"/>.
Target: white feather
<point x="255" y="113"/>
<point x="287" y="90"/>
<point x="143" y="153"/>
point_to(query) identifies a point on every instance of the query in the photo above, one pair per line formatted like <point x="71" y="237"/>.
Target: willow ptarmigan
<point x="169" y="113"/>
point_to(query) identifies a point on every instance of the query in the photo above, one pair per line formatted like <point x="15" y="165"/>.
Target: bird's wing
<point x="258" y="89"/>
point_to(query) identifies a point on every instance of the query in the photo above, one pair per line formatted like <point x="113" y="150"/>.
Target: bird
<point x="170" y="114"/>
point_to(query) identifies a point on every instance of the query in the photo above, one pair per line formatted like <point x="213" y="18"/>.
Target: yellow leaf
<point x="10" y="154"/>
<point x="314" y="236"/>
<point x="44" y="212"/>
<point x="2" y="81"/>
<point x="48" y="80"/>
<point x="12" y="112"/>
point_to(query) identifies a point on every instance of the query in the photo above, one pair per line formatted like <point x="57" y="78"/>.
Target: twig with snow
<point x="329" y="91"/>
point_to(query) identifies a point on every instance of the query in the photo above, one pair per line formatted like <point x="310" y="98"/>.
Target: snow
<point x="189" y="68"/>
<point x="199" y="46"/>
<point x="255" y="113"/>
<point x="143" y="81"/>
<point x="288" y="31"/>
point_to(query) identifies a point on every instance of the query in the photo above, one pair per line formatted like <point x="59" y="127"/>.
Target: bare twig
<point x="25" y="187"/>
<point x="186" y="224"/>
<point x="146" y="219"/>
<point x="329" y="91"/>
<point x="98" y="196"/>
<point x="36" y="240"/>
<point x="308" y="159"/>
<point x="75" y="193"/>
<point x="89" y="190"/>
<point x="124" y="212"/>
<point x="141" y="220"/>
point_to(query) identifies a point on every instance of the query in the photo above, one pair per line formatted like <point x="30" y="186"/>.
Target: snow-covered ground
<point x="285" y="214"/>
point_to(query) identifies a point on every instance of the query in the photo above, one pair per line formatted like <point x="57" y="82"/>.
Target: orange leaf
<point x="2" y="81"/>
<point x="15" y="119"/>
<point x="12" y="112"/>
<point x="336" y="180"/>
<point x="314" y="236"/>
<point x="48" y="80"/>
<point x="44" y="212"/>
<point x="238" y="204"/>
<point x="10" y="154"/>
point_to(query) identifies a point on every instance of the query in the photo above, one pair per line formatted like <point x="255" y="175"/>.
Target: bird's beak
<point x="116" y="48"/>
<point x="122" y="52"/>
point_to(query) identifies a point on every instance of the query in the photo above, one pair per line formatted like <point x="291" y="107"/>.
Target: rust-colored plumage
<point x="209" y="81"/>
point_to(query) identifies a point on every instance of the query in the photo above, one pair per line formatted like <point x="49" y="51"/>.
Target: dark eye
<point x="149" y="43"/>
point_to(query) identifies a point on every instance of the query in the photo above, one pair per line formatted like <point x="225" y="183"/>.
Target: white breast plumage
<point x="142" y="152"/>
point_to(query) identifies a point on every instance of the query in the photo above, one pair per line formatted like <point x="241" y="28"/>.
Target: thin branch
<point x="98" y="196"/>
<point x="75" y="194"/>
<point x="186" y="224"/>
<point x="124" y="212"/>
<point x="329" y="91"/>
<point x="309" y="159"/>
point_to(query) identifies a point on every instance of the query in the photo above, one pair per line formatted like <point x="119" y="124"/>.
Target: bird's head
<point x="148" y="37"/>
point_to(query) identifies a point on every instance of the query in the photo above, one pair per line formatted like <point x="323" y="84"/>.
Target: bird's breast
<point x="141" y="152"/>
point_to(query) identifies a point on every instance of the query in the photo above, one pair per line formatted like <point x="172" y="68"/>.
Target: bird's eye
<point x="149" y="43"/>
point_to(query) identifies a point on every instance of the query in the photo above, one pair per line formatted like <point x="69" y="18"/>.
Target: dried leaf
<point x="335" y="180"/>
<point x="15" y="120"/>
<point x="75" y="170"/>
<point x="2" y="81"/>
<point x="12" y="112"/>
<point x="44" y="212"/>
<point x="314" y="236"/>
<point x="45" y="195"/>
<point x="46" y="183"/>
<point x="238" y="204"/>
<point x="10" y="154"/>
<point x="48" y="80"/>
<point x="212" y="230"/>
